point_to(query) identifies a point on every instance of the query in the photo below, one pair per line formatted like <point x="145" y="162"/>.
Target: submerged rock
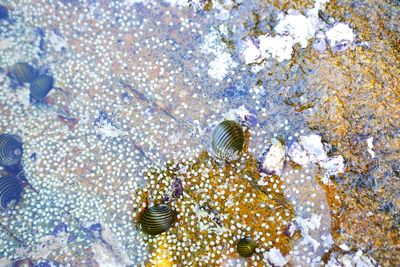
<point x="273" y="158"/>
<point x="298" y="154"/>
<point x="251" y="53"/>
<point x="310" y="149"/>
<point x="333" y="166"/>
<point x="313" y="145"/>
<point x="243" y="115"/>
<point x="109" y="251"/>
<point x="351" y="259"/>
<point x="275" y="257"/>
<point x="340" y="37"/>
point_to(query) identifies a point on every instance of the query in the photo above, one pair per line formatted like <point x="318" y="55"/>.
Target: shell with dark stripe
<point x="227" y="140"/>
<point x="41" y="86"/>
<point x="10" y="150"/>
<point x="23" y="72"/>
<point x="246" y="247"/>
<point x="157" y="219"/>
<point x="10" y="191"/>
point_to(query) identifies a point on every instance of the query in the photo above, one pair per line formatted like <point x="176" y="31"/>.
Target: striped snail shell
<point x="227" y="140"/>
<point x="41" y="86"/>
<point x="10" y="191"/>
<point x="157" y="219"/>
<point x="10" y="150"/>
<point x="246" y="247"/>
<point x="23" y="72"/>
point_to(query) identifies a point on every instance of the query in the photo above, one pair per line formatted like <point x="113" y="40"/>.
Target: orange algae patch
<point x="355" y="221"/>
<point x="220" y="204"/>
<point x="361" y="101"/>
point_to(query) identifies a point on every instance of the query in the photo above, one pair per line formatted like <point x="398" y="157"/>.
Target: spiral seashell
<point x="23" y="72"/>
<point x="10" y="191"/>
<point x="227" y="140"/>
<point x="246" y="247"/>
<point x="10" y="150"/>
<point x="41" y="86"/>
<point x="157" y="219"/>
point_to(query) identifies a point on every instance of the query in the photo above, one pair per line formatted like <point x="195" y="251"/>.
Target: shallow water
<point x="139" y="88"/>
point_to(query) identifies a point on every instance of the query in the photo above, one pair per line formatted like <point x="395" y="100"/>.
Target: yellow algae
<point x="220" y="204"/>
<point x="161" y="256"/>
<point x="293" y="4"/>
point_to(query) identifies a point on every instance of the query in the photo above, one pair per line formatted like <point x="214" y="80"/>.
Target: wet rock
<point x="94" y="229"/>
<point x="242" y="115"/>
<point x="223" y="62"/>
<point x="251" y="53"/>
<point x="312" y="143"/>
<point x="307" y="225"/>
<point x="326" y="18"/>
<point x="279" y="47"/>
<point x="297" y="26"/>
<point x="340" y="37"/>
<point x="351" y="259"/>
<point x="275" y="257"/>
<point x="223" y="10"/>
<point x="290" y="229"/>
<point x="103" y="256"/>
<point x="341" y="46"/>
<point x="47" y="245"/>
<point x="272" y="159"/>
<point x="298" y="155"/>
<point x="57" y="41"/>
<point x="333" y="166"/>
<point x="344" y="247"/>
<point x="319" y="42"/>
<point x="370" y="145"/>
<point x="319" y="45"/>
<point x="23" y="95"/>
<point x="309" y="150"/>
<point x="109" y="251"/>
